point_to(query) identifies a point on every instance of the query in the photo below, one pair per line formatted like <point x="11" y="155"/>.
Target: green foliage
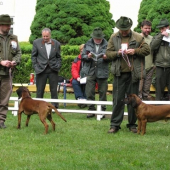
<point x="65" y="70"/>
<point x="73" y="21"/>
<point x="23" y="70"/>
<point x="68" y="54"/>
<point x="158" y="12"/>
<point x="154" y="11"/>
<point x="26" y="47"/>
<point x="69" y="50"/>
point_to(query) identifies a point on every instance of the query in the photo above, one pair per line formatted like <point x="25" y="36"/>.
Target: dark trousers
<point x="102" y="89"/>
<point x="79" y="89"/>
<point x="123" y="86"/>
<point x="162" y="80"/>
<point x="41" y="80"/>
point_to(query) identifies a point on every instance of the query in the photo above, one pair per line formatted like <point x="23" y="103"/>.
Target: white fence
<point x="98" y="112"/>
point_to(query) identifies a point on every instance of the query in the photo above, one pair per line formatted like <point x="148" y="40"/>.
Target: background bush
<point x="23" y="70"/>
<point x="72" y="21"/>
<point x="154" y="11"/>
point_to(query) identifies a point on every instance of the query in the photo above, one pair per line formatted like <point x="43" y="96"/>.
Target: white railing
<point x="98" y="111"/>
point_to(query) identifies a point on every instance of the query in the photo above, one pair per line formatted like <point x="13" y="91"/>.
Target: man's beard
<point x="145" y="34"/>
<point x="5" y="32"/>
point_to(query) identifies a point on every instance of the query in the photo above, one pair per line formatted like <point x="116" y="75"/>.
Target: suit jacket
<point x="40" y="59"/>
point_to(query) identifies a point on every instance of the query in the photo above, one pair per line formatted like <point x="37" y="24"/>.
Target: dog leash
<point x="10" y="78"/>
<point x="126" y="58"/>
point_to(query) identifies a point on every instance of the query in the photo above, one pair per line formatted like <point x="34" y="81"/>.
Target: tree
<point x="72" y="21"/>
<point x="160" y="9"/>
<point x="145" y="6"/>
<point x="154" y="11"/>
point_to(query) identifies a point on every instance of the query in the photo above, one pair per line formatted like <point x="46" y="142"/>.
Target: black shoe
<point x="133" y="129"/>
<point x="2" y="125"/>
<point x="103" y="117"/>
<point x="82" y="105"/>
<point x="90" y="115"/>
<point x="113" y="130"/>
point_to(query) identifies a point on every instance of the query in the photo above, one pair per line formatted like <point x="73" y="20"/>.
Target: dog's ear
<point x="134" y="103"/>
<point x="19" y="92"/>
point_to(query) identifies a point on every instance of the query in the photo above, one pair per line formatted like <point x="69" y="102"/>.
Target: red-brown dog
<point x="30" y="107"/>
<point x="147" y="113"/>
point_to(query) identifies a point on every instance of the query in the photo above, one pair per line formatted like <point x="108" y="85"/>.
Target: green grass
<point x="82" y="144"/>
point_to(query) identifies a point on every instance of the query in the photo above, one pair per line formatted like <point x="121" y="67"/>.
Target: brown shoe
<point x="113" y="130"/>
<point x="134" y="130"/>
<point x="90" y="115"/>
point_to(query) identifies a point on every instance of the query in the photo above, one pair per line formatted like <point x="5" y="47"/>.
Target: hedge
<point x="23" y="70"/>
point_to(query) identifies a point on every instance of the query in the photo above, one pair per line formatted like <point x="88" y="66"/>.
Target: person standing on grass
<point x="46" y="60"/>
<point x="127" y="49"/>
<point x="10" y="55"/>
<point x="79" y="89"/>
<point x="145" y="83"/>
<point x="161" y="48"/>
<point x="96" y="69"/>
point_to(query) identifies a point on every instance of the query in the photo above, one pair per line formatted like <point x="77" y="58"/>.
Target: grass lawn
<point x="82" y="144"/>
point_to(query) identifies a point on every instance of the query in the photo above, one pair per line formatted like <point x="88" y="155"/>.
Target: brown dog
<point x="30" y="106"/>
<point x="147" y="113"/>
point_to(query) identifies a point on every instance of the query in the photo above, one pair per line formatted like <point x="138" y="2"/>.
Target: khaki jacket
<point x="136" y="41"/>
<point x="9" y="50"/>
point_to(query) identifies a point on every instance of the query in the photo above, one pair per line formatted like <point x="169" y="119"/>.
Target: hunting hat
<point x="124" y="23"/>
<point x="163" y="23"/>
<point x="97" y="33"/>
<point x="5" y="19"/>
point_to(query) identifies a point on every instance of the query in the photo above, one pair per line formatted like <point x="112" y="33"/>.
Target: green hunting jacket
<point x="142" y="49"/>
<point x="161" y="50"/>
<point x="9" y="52"/>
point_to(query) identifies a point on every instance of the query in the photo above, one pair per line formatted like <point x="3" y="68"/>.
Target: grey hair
<point x="46" y="29"/>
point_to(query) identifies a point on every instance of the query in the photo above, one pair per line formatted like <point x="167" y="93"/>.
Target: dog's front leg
<point x="139" y="126"/>
<point x="144" y="126"/>
<point x="27" y="121"/>
<point x="19" y="119"/>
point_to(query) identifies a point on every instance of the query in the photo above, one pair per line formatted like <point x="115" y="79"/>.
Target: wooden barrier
<point x="69" y="88"/>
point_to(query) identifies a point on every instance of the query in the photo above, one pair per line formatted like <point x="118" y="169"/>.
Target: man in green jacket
<point x="161" y="47"/>
<point x="127" y="49"/>
<point x="145" y="83"/>
<point x="10" y="55"/>
<point x="95" y="67"/>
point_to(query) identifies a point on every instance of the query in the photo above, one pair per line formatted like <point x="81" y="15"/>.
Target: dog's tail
<point x="52" y="107"/>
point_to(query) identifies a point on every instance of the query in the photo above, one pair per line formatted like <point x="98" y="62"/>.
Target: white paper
<point x="14" y="44"/>
<point x="83" y="80"/>
<point x="124" y="47"/>
<point x="167" y="38"/>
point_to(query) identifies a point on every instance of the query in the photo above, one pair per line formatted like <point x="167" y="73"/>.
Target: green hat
<point x="163" y="23"/>
<point x="124" y="23"/>
<point x="5" y="19"/>
<point x="97" y="33"/>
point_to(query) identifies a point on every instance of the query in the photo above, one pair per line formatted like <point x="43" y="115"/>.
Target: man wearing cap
<point x="127" y="50"/>
<point x="10" y="55"/>
<point x="161" y="49"/>
<point x="95" y="67"/>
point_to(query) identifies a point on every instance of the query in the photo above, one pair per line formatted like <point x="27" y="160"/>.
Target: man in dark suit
<point x="46" y="60"/>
